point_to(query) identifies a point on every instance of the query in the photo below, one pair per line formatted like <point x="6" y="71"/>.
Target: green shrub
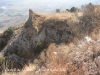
<point x="57" y="10"/>
<point x="5" y="37"/>
<point x="38" y="48"/>
<point x="2" y="44"/>
<point x="67" y="10"/>
<point x="73" y="9"/>
<point x="2" y="59"/>
<point x="7" y="33"/>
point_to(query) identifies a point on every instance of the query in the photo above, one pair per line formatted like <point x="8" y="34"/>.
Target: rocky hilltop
<point x="36" y="34"/>
<point x="54" y="44"/>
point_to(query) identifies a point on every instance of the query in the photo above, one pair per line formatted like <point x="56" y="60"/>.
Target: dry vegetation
<point x="71" y="59"/>
<point x="80" y="57"/>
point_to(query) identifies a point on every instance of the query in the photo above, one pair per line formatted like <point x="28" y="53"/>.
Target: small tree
<point x="7" y="33"/>
<point x="57" y="10"/>
<point x="90" y="21"/>
<point x="67" y="10"/>
<point x="73" y="9"/>
<point x="88" y="9"/>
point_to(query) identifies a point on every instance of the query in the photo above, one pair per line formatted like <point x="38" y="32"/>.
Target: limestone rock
<point x="39" y="30"/>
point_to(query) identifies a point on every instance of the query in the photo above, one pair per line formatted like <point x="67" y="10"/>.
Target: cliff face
<point x="37" y="32"/>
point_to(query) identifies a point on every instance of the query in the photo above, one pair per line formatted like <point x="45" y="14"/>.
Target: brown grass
<point x="69" y="59"/>
<point x="72" y="59"/>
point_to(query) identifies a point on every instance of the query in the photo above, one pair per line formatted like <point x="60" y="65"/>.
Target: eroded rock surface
<point x="39" y="30"/>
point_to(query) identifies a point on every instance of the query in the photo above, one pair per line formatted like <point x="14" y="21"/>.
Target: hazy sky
<point x="48" y="5"/>
<point x="69" y="2"/>
<point x="63" y="4"/>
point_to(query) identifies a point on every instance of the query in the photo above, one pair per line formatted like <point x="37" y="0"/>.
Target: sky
<point x="69" y="3"/>
<point x="48" y="5"/>
<point x="62" y="4"/>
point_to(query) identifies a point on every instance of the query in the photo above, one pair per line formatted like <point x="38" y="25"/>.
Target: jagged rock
<point x="39" y="30"/>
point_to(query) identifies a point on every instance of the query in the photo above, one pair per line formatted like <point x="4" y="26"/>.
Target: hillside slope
<point x="56" y="43"/>
<point x="36" y="34"/>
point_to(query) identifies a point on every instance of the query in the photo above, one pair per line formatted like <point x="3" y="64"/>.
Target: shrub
<point x="90" y="19"/>
<point x="67" y="10"/>
<point x="38" y="48"/>
<point x="73" y="9"/>
<point x="5" y="37"/>
<point x="57" y="10"/>
<point x="7" y="33"/>
<point x="2" y="59"/>
<point x="2" y="44"/>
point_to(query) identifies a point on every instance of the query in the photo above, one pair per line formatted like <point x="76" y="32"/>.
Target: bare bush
<point x="90" y="19"/>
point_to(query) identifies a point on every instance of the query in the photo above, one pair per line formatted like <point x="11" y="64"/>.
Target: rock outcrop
<point x="39" y="30"/>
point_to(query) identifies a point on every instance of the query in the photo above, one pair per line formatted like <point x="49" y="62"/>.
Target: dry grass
<point x="74" y="58"/>
<point x="91" y="19"/>
<point x="68" y="59"/>
<point x="61" y="16"/>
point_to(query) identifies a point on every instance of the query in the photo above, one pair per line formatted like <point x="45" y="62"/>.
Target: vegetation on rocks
<point x="38" y="48"/>
<point x="5" y="37"/>
<point x="8" y="32"/>
<point x="72" y="44"/>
